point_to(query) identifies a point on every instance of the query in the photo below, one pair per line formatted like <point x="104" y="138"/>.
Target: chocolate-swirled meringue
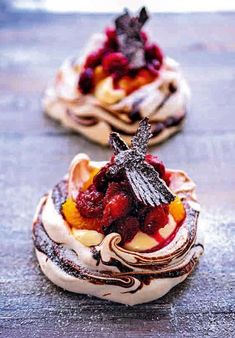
<point x="108" y="270"/>
<point x="106" y="108"/>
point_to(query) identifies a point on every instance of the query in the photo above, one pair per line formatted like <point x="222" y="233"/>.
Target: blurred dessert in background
<point x="121" y="78"/>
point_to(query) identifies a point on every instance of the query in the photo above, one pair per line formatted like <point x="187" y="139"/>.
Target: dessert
<point x="125" y="230"/>
<point x="121" y="78"/>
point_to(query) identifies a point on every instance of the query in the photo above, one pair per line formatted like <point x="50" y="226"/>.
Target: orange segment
<point x="176" y="209"/>
<point x="130" y="84"/>
<point x="99" y="74"/>
<point x="75" y="219"/>
<point x="93" y="172"/>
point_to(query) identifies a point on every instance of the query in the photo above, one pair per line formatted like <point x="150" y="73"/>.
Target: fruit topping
<point x="115" y="63"/>
<point x="75" y="219"/>
<point x="106" y="93"/>
<point x="155" y="219"/>
<point x="98" y="74"/>
<point x="144" y="180"/>
<point x="153" y="55"/>
<point x="86" y="81"/>
<point x="129" y="84"/>
<point x="126" y="56"/>
<point x="176" y="209"/>
<point x="127" y="228"/>
<point x="90" y="202"/>
<point x="116" y="207"/>
<point x="100" y="180"/>
<point x="94" y="59"/>
<point x="111" y="43"/>
<point x="129" y="196"/>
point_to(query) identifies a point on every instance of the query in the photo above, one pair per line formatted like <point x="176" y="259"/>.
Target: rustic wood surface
<point x="35" y="152"/>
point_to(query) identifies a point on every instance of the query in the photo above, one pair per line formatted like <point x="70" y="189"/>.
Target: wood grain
<point x="35" y="152"/>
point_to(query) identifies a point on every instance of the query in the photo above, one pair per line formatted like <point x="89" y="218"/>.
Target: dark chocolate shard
<point x="151" y="189"/>
<point x="142" y="136"/>
<point x="117" y="143"/>
<point x="130" y="41"/>
<point x="143" y="16"/>
<point x="144" y="180"/>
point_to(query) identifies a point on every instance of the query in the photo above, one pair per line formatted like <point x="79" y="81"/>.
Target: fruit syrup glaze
<point x="129" y="194"/>
<point x="126" y="55"/>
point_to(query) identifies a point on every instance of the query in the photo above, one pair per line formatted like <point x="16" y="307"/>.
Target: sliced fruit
<point x="106" y="93"/>
<point x="141" y="242"/>
<point x="130" y="84"/>
<point x="117" y="207"/>
<point x="155" y="219"/>
<point x="98" y="74"/>
<point x="176" y="209"/>
<point x="88" y="237"/>
<point x="74" y="218"/>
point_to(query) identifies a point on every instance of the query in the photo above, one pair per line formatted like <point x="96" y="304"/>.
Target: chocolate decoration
<point x="144" y="180"/>
<point x="129" y="37"/>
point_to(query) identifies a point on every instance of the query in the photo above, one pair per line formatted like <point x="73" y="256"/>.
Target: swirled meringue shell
<point x="108" y="270"/>
<point x="93" y="118"/>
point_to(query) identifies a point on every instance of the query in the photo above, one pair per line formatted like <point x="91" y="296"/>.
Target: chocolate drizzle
<point x="144" y="180"/>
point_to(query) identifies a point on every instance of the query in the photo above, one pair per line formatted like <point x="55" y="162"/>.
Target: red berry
<point x="90" y="202"/>
<point x="94" y="59"/>
<point x="167" y="178"/>
<point x="127" y="228"/>
<point x="144" y="37"/>
<point x="86" y="81"/>
<point x="154" y="55"/>
<point x="113" y="189"/>
<point x="155" y="219"/>
<point x="118" y="207"/>
<point x="100" y="180"/>
<point x="156" y="163"/>
<point x="111" y="43"/>
<point x="115" y="63"/>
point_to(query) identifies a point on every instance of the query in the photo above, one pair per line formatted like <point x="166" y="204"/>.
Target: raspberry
<point x="127" y="228"/>
<point x="153" y="54"/>
<point x="155" y="219"/>
<point x="100" y="180"/>
<point x="111" y="43"/>
<point x="156" y="163"/>
<point x="167" y="178"/>
<point x="113" y="189"/>
<point x="154" y="68"/>
<point x="115" y="63"/>
<point x="90" y="202"/>
<point x="86" y="81"/>
<point x="94" y="59"/>
<point x="144" y="37"/>
<point x="117" y="207"/>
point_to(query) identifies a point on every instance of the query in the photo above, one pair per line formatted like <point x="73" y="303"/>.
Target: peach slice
<point x="176" y="209"/>
<point x="75" y="219"/>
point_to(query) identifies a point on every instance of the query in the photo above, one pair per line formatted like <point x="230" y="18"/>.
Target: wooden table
<point x="35" y="152"/>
